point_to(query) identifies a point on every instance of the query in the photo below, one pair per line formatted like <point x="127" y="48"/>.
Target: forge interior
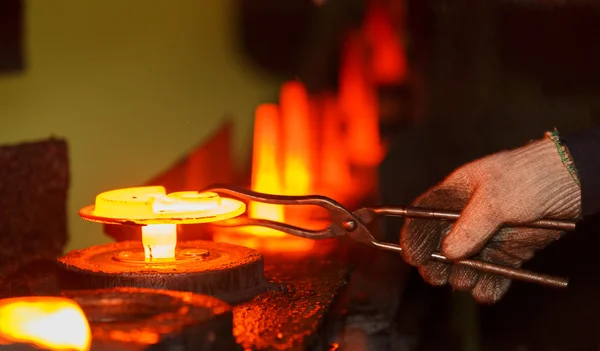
<point x="370" y="102"/>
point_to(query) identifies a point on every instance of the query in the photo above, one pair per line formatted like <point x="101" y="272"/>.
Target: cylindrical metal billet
<point x="230" y="272"/>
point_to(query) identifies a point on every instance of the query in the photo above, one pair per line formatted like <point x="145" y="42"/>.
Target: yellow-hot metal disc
<point x="151" y="205"/>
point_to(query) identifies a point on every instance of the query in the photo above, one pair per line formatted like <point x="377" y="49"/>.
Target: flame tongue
<point x="47" y="322"/>
<point x="281" y="164"/>
<point x="297" y="139"/>
<point x="266" y="175"/>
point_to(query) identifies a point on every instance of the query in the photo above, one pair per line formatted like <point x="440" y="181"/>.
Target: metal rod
<point x="412" y="212"/>
<point x="507" y="272"/>
<point x="512" y="273"/>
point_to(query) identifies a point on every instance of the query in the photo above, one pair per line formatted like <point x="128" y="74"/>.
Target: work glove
<point x="517" y="186"/>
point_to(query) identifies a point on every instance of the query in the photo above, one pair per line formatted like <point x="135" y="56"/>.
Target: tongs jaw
<point x="342" y="222"/>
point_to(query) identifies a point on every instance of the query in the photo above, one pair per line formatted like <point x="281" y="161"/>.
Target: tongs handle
<point x="495" y="269"/>
<point x="418" y="212"/>
<point x="286" y="200"/>
<point x="508" y="272"/>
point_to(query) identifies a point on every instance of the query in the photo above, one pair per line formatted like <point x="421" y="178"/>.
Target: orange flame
<point x="358" y="100"/>
<point x="266" y="177"/>
<point x="47" y="322"/>
<point x="387" y="60"/>
<point x="336" y="176"/>
<point x="297" y="138"/>
<point x="267" y="171"/>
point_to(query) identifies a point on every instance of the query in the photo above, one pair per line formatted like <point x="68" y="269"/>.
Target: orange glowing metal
<point x="160" y="213"/>
<point x="47" y="322"/>
<point x="151" y="205"/>
<point x="159" y="241"/>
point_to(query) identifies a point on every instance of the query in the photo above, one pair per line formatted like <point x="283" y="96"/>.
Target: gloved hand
<point x="516" y="186"/>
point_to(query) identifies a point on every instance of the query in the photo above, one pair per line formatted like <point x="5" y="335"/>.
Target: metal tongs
<point x="354" y="224"/>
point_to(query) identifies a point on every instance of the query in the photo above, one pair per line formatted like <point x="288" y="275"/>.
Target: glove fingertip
<point x="418" y="240"/>
<point x="463" y="278"/>
<point x="490" y="289"/>
<point x="435" y="273"/>
<point x="467" y="237"/>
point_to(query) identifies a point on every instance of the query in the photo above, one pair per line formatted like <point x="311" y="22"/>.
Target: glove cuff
<point x="552" y="176"/>
<point x="565" y="155"/>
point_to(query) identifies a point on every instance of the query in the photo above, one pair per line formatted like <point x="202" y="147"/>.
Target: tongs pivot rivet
<point x="349" y="225"/>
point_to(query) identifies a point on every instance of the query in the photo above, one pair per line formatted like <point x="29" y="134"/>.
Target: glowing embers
<point x="159" y="213"/>
<point x="46" y="322"/>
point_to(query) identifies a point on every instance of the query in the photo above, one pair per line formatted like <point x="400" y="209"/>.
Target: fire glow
<point x="266" y="175"/>
<point x="281" y="164"/>
<point x="159" y="213"/>
<point x="310" y="144"/>
<point x="47" y="322"/>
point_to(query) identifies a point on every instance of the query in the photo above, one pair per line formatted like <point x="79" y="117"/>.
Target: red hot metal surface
<point x="230" y="272"/>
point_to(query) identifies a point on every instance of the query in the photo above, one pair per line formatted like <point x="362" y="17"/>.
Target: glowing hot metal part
<point x="47" y="322"/>
<point x="151" y="205"/>
<point x="160" y="213"/>
<point x="159" y="241"/>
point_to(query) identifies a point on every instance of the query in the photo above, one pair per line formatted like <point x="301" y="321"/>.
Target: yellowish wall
<point x="131" y="85"/>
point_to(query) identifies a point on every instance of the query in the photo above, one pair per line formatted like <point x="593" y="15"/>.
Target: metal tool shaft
<point x="507" y="272"/>
<point x="413" y="212"/>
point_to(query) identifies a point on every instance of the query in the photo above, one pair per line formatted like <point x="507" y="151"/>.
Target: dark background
<point x="492" y="75"/>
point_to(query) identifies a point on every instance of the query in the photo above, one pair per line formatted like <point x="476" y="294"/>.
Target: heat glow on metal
<point x="159" y="213"/>
<point x="47" y="322"/>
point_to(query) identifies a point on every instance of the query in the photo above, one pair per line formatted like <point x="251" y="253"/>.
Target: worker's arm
<point x="584" y="147"/>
